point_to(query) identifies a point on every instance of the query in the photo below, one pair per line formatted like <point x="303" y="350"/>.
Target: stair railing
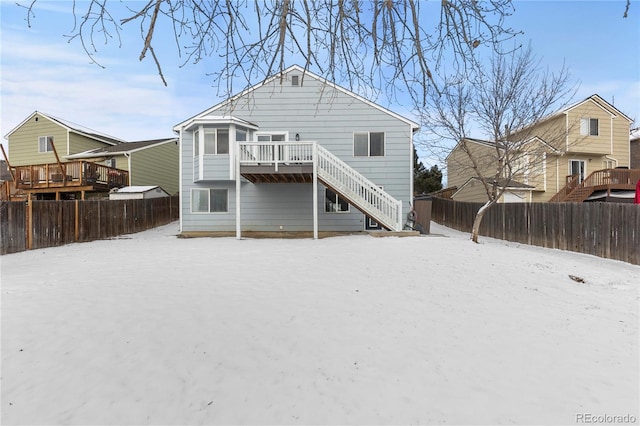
<point x="359" y="190"/>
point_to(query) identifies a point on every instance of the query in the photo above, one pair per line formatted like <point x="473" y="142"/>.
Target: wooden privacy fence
<point x="39" y="224"/>
<point x="608" y="230"/>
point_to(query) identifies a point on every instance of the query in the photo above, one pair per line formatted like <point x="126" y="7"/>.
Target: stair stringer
<point x="363" y="194"/>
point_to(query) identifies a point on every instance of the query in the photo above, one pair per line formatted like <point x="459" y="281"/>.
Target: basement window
<point x="209" y="200"/>
<point x="334" y="203"/>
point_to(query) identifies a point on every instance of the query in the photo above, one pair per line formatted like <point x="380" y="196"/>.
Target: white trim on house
<point x="70" y="127"/>
<point x="99" y="152"/>
<point x="414" y="126"/>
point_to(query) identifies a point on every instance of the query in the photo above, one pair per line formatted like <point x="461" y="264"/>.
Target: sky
<point x="43" y="70"/>
<point x="350" y="330"/>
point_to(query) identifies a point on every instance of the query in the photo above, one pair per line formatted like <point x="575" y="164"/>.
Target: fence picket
<point x="608" y="230"/>
<point x="54" y="223"/>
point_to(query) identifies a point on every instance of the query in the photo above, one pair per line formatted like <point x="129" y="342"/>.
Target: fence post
<point x="77" y="222"/>
<point x="29" y="222"/>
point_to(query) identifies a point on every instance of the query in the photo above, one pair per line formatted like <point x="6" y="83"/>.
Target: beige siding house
<point x="571" y="155"/>
<point x="153" y="162"/>
<point x="52" y="158"/>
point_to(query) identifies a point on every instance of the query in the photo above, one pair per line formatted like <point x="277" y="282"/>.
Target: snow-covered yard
<point x="153" y="329"/>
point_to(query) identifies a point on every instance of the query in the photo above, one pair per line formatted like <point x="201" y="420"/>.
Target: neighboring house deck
<point x="581" y="153"/>
<point x="295" y="153"/>
<point x="602" y="185"/>
<point x="52" y="158"/>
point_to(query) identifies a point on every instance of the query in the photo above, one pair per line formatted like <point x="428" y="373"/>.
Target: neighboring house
<point x="295" y="153"/>
<point x="137" y="193"/>
<point x="634" y="148"/>
<point x="53" y="158"/>
<point x="153" y="162"/>
<point x="576" y="154"/>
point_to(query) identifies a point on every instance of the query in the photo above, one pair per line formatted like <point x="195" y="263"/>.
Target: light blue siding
<point x="316" y="112"/>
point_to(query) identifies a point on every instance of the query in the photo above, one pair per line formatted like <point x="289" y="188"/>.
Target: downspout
<point x="180" y="191"/>
<point x="566" y="132"/>
<point x="611" y="134"/>
<point x="128" y="157"/>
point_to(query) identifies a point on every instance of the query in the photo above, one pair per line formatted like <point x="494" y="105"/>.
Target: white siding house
<point x="295" y="153"/>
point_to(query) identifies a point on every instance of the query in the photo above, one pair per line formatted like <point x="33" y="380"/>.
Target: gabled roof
<point x="502" y="183"/>
<point x="121" y="148"/>
<point x="602" y="104"/>
<point x="306" y="73"/>
<point x="491" y="144"/>
<point x="482" y="142"/>
<point x="71" y="127"/>
<point x="594" y="98"/>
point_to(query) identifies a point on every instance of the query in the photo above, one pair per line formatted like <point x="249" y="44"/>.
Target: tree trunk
<point x="478" y="220"/>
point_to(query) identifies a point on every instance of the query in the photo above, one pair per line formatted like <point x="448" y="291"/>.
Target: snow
<point x="154" y="329"/>
<point x="135" y="189"/>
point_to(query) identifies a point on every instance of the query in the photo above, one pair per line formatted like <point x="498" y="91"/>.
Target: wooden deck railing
<point x="606" y="179"/>
<point x="70" y="174"/>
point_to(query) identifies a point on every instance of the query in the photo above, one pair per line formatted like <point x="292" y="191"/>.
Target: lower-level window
<point x="209" y="200"/>
<point x="334" y="203"/>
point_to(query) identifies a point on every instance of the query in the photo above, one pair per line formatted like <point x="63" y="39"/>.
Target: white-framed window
<point x="216" y="141"/>
<point x="45" y="144"/>
<point x="111" y="162"/>
<point x="334" y="203"/>
<point x="272" y="137"/>
<point x="209" y="200"/>
<point x="368" y="144"/>
<point x="589" y="126"/>
<point x="196" y="143"/>
<point x="577" y="167"/>
<point x="608" y="163"/>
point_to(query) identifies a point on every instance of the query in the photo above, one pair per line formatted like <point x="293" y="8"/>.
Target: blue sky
<point x="41" y="70"/>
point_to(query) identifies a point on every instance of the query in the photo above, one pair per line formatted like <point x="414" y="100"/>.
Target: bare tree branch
<point x="500" y="100"/>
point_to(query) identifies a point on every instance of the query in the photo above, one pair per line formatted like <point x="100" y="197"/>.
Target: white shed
<point x="137" y="193"/>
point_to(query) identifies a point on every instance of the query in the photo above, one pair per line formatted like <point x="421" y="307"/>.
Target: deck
<point x="74" y="176"/>
<point x="601" y="180"/>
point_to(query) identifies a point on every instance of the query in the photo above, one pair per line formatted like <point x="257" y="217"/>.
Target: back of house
<point x="260" y="150"/>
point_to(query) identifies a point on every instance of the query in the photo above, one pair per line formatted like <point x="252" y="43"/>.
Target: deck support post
<point x="238" y="224"/>
<point x="315" y="191"/>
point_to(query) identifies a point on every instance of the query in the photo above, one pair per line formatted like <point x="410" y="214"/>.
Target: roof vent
<point x="295" y="80"/>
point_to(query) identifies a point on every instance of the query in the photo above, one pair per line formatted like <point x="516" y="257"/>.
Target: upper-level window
<point x="216" y="141"/>
<point x="589" y="126"/>
<point x="196" y="143"/>
<point x="45" y="144"/>
<point x="368" y="144"/>
<point x="111" y="162"/>
<point x="272" y="137"/>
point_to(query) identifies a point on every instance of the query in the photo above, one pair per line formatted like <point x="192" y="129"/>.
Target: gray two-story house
<point x="295" y="153"/>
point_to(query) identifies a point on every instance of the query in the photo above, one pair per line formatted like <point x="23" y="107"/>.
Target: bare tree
<point x="501" y="101"/>
<point x="383" y="44"/>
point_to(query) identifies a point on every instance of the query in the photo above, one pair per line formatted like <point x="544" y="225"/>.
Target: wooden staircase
<point x="298" y="161"/>
<point x="606" y="179"/>
<point x="365" y="195"/>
